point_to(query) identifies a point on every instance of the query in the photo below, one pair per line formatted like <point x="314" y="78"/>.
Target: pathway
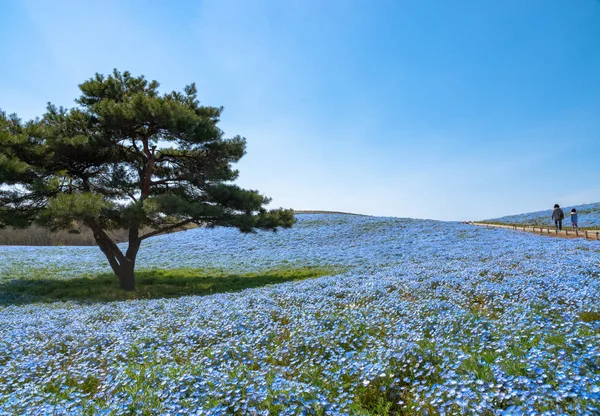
<point x="550" y="231"/>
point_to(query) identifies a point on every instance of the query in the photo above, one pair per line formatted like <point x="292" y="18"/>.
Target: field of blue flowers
<point x="429" y="318"/>
<point x="589" y="217"/>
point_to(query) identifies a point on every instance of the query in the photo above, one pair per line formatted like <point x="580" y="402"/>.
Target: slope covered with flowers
<point x="428" y="318"/>
<point x="589" y="217"/>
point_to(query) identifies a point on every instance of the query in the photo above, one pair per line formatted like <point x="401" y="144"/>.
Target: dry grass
<point x="39" y="236"/>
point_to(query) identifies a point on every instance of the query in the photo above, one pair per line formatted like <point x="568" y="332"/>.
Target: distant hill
<point x="300" y="211"/>
<point x="589" y="216"/>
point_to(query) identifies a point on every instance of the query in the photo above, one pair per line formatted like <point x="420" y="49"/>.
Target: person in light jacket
<point x="574" y="218"/>
<point x="558" y="216"/>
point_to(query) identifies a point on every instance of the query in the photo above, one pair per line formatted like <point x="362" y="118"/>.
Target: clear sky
<point x="445" y="109"/>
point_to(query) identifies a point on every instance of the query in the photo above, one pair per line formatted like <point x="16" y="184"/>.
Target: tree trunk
<point x="128" y="264"/>
<point x="122" y="265"/>
<point x="126" y="275"/>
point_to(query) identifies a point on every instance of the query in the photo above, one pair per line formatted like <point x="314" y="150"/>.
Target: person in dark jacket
<point x="558" y="215"/>
<point x="574" y="218"/>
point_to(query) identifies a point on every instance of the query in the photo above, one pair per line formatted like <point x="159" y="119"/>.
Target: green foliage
<point x="127" y="157"/>
<point x="63" y="209"/>
<point x="126" y="142"/>
<point x="590" y="316"/>
<point x="151" y="284"/>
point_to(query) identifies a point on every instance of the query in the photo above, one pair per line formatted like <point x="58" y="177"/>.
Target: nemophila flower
<point x="430" y="317"/>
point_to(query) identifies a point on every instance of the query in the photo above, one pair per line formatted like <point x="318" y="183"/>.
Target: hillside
<point x="425" y="316"/>
<point x="589" y="217"/>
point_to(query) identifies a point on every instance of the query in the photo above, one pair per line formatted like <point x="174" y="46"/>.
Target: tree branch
<point x="165" y="229"/>
<point x="164" y="181"/>
<point x="132" y="196"/>
<point x="102" y="239"/>
<point x="147" y="170"/>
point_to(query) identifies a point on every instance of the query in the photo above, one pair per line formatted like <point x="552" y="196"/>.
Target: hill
<point x="589" y="217"/>
<point x="425" y="317"/>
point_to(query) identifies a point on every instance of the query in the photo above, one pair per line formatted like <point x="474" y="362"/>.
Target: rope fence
<point x="566" y="233"/>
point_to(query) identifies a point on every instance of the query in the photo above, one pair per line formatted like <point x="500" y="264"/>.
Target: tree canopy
<point x="127" y="157"/>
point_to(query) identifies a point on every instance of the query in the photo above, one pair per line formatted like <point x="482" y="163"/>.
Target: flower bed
<point x="429" y="316"/>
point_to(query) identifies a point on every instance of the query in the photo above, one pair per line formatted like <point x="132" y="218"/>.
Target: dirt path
<point x="547" y="231"/>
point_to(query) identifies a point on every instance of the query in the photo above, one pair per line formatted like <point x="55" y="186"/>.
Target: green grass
<point x="590" y="316"/>
<point x="150" y="284"/>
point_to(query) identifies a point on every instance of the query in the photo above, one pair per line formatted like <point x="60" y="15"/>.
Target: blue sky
<point x="445" y="109"/>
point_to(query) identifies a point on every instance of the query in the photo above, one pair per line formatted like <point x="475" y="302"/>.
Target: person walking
<point x="574" y="218"/>
<point x="558" y="216"/>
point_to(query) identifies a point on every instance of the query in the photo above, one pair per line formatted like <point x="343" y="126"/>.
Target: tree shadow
<point x="150" y="284"/>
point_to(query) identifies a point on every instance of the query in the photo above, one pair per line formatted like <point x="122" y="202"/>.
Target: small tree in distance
<point x="127" y="158"/>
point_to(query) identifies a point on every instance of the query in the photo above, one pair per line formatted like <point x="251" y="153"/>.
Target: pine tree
<point x="129" y="158"/>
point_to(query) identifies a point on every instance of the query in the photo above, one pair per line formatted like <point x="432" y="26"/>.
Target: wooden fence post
<point x="586" y="234"/>
<point x="566" y="231"/>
